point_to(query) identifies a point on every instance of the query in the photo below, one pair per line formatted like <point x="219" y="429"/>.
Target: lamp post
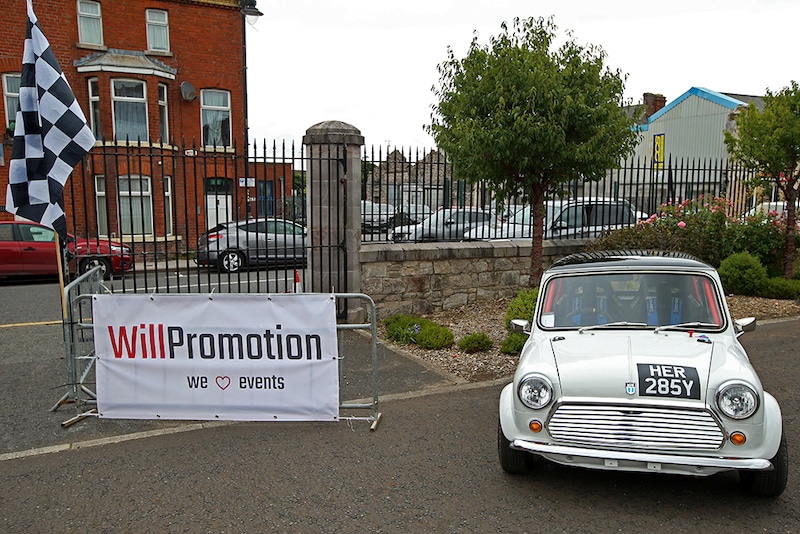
<point x="250" y="14"/>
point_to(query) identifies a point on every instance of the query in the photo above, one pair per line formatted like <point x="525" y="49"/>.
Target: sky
<point x="373" y="63"/>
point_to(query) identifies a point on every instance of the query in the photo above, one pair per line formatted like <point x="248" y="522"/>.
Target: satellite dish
<point x="188" y="92"/>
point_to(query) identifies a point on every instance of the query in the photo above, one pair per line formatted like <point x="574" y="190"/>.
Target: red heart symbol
<point x="223" y="382"/>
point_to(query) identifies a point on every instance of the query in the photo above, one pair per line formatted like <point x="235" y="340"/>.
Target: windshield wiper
<point x="695" y="324"/>
<point x="614" y="324"/>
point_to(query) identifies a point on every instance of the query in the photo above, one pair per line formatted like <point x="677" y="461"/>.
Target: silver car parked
<point x="232" y="247"/>
<point x="444" y="224"/>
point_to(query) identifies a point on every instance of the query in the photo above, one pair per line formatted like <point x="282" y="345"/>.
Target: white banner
<point x="217" y="357"/>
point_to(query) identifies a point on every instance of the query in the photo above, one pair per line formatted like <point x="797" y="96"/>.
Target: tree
<point x="769" y="142"/>
<point x="526" y="118"/>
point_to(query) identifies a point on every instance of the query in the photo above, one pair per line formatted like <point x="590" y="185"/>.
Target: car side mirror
<point x="520" y="325"/>
<point x="746" y="324"/>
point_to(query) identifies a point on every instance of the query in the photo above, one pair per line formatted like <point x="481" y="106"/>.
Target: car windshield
<point x="628" y="300"/>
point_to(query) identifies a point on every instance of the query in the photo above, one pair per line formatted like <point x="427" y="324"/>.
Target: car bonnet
<point x="622" y="365"/>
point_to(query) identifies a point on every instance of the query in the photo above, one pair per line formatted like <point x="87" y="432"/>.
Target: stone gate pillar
<point x="333" y="209"/>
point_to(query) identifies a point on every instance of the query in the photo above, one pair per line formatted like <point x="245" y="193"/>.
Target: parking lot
<point x="431" y="465"/>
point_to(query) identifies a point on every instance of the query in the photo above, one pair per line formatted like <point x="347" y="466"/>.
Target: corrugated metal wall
<point x="692" y="129"/>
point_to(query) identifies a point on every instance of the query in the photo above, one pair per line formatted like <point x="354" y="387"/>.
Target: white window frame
<point x="9" y="96"/>
<point x="208" y="109"/>
<point x="163" y="113"/>
<point x="167" y="184"/>
<point x="115" y="99"/>
<point x="132" y="200"/>
<point x="90" y="17"/>
<point x="157" y="21"/>
<point x="101" y="204"/>
<point x="94" y="107"/>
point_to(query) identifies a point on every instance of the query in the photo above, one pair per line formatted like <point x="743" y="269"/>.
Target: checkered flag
<point x="51" y="135"/>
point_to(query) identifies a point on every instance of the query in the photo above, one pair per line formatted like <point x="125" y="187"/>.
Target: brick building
<point x="161" y="83"/>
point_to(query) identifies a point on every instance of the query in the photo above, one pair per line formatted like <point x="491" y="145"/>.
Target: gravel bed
<point x="487" y="317"/>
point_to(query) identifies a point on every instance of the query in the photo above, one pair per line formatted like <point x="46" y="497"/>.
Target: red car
<point x="28" y="248"/>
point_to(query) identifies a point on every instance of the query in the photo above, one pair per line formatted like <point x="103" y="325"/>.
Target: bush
<point x="742" y="274"/>
<point x="522" y="306"/>
<point x="405" y="328"/>
<point x="478" y="342"/>
<point x="780" y="288"/>
<point x="432" y="336"/>
<point x="704" y="229"/>
<point x="513" y="343"/>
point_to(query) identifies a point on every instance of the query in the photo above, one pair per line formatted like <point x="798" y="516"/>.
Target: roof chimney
<point x="652" y="103"/>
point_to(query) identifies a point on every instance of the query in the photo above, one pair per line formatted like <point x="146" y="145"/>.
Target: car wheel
<point x="511" y="460"/>
<point x="88" y="264"/>
<point x="231" y="261"/>
<point x="769" y="483"/>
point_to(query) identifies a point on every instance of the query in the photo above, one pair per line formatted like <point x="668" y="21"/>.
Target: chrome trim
<point x="635" y="426"/>
<point x="754" y="464"/>
<point x="736" y="382"/>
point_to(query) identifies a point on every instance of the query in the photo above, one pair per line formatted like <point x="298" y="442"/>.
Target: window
<point x="130" y="110"/>
<point x="102" y="206"/>
<point x="90" y="23"/>
<point x="168" y="205"/>
<point x="94" y="108"/>
<point x="215" y="114"/>
<point x="11" y="94"/>
<point x="163" y="115"/>
<point x="135" y="205"/>
<point x="157" y="30"/>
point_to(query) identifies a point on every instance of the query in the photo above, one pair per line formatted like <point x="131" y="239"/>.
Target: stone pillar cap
<point x="333" y="132"/>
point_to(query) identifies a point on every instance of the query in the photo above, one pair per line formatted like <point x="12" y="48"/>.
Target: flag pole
<point x="60" y="248"/>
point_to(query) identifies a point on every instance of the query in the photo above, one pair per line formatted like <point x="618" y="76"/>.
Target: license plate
<point x="676" y="381"/>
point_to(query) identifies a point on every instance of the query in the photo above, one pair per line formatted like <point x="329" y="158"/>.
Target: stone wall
<point x="421" y="278"/>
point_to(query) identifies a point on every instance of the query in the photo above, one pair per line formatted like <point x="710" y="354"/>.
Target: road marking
<point x="39" y="323"/>
<point x="188" y="427"/>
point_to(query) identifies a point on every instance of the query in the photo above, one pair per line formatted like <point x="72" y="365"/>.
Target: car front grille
<point x="635" y="427"/>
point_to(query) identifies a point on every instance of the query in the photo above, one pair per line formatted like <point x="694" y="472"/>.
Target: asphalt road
<point x="431" y="465"/>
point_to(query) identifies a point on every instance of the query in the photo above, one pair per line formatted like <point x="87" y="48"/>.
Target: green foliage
<point x="405" y="329"/>
<point x="432" y="336"/>
<point x="522" y="306"/>
<point x="704" y="229"/>
<point x="742" y="274"/>
<point x="527" y="115"/>
<point x="768" y="142"/>
<point x="513" y="343"/>
<point x="780" y="288"/>
<point x="477" y="342"/>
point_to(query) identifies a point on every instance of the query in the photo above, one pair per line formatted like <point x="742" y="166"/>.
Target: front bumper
<point x="640" y="461"/>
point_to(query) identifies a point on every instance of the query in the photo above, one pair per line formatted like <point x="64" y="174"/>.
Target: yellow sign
<point x="659" y="149"/>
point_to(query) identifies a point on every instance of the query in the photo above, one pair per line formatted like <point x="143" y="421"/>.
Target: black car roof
<point x="629" y="258"/>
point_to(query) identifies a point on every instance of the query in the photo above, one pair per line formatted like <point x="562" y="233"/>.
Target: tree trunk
<point x="537" y="211"/>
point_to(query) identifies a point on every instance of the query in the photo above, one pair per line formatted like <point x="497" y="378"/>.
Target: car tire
<point x="512" y="461"/>
<point x="87" y="264"/>
<point x="231" y="261"/>
<point x="769" y="483"/>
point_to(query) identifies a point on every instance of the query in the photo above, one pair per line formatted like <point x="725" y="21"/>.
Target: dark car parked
<point x="232" y="247"/>
<point x="28" y="248"/>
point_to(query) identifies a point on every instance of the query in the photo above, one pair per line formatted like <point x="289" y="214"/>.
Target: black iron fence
<point x="414" y="196"/>
<point x="164" y="202"/>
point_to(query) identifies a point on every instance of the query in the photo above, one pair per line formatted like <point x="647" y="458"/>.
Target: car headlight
<point x="535" y="391"/>
<point x="737" y="400"/>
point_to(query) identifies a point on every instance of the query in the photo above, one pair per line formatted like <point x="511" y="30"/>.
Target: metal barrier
<point x="79" y="343"/>
<point x="80" y="354"/>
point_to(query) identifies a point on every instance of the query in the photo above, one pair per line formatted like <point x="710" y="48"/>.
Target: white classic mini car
<point x="633" y="364"/>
